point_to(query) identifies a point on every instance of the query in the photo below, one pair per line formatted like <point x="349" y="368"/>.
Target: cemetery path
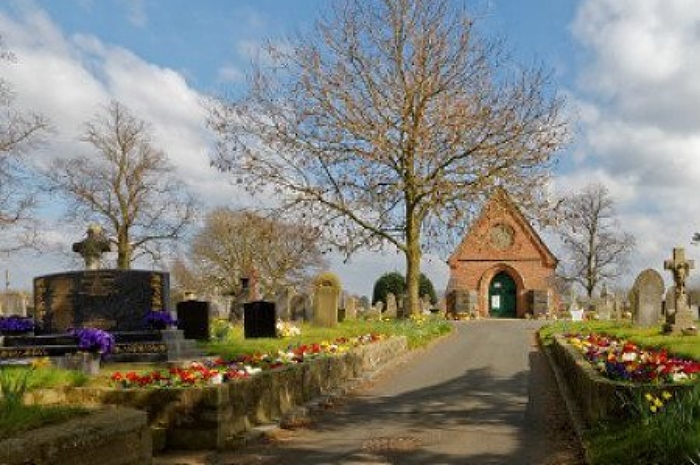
<point x="483" y="395"/>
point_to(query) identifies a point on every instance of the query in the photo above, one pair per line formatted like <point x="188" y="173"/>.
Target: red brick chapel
<point x="502" y="268"/>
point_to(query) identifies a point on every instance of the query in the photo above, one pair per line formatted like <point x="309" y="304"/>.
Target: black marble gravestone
<point x="259" y="319"/>
<point x="114" y="300"/>
<point x="193" y="319"/>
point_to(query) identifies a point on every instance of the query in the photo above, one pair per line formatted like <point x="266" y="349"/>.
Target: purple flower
<point x="159" y="319"/>
<point x="94" y="340"/>
<point x="16" y="324"/>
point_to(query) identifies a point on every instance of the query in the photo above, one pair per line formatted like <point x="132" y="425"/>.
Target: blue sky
<point x="627" y="67"/>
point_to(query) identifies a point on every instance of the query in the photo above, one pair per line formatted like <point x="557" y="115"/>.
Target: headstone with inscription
<point x="114" y="300"/>
<point x="647" y="294"/>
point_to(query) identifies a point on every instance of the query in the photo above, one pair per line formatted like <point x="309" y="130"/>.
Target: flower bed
<point x="217" y="371"/>
<point x="584" y="366"/>
<point x="14" y="324"/>
<point x="622" y="360"/>
<point x="200" y="414"/>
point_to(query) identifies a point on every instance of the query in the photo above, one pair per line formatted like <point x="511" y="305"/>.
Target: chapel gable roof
<point x="500" y="209"/>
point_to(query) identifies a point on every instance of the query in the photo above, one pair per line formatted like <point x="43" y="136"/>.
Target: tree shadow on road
<point x="475" y="418"/>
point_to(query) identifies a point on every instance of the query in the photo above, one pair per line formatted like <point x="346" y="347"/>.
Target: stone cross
<point x="680" y="267"/>
<point x="92" y="247"/>
<point x="682" y="321"/>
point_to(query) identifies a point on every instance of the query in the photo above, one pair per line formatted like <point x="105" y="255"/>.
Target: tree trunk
<point x="123" y="252"/>
<point x="413" y="257"/>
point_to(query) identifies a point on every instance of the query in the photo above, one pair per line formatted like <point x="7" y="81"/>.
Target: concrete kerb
<point x="569" y="401"/>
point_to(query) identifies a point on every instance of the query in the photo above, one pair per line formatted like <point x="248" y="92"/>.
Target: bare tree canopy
<point x="19" y="132"/>
<point x="597" y="249"/>
<point x="391" y="123"/>
<point x="233" y="243"/>
<point x="128" y="184"/>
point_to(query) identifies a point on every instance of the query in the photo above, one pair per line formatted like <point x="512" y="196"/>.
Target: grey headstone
<point x="647" y="292"/>
<point x="391" y="307"/>
<point x="351" y="309"/>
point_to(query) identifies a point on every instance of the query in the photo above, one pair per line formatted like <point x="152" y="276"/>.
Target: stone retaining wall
<point x="597" y="397"/>
<point x="116" y="436"/>
<point x="215" y="416"/>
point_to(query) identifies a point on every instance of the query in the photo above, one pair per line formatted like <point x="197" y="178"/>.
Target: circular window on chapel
<point x="501" y="236"/>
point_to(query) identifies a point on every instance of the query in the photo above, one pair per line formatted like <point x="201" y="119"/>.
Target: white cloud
<point x="68" y="78"/>
<point x="639" y="107"/>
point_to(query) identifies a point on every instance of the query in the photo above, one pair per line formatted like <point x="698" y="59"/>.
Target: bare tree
<point x="128" y="183"/>
<point x="391" y="123"/>
<point x="597" y="249"/>
<point x="233" y="243"/>
<point x="19" y="132"/>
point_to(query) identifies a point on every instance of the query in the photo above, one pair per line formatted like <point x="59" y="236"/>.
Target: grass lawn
<point x="670" y="434"/>
<point x="229" y="341"/>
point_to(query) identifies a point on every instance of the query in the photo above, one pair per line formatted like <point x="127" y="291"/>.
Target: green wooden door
<point x="502" y="302"/>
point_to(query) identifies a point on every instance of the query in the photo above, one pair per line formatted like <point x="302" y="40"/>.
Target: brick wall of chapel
<point x="477" y="261"/>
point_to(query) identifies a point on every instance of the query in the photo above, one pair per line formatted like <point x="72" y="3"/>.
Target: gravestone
<point x="283" y="301"/>
<point x="682" y="320"/>
<point x="351" y="309"/>
<point x="375" y="311"/>
<point x="461" y="301"/>
<point x="605" y="306"/>
<point x="647" y="294"/>
<point x="327" y="291"/>
<point x="92" y="247"/>
<point x="391" y="307"/>
<point x="425" y="304"/>
<point x="325" y="307"/>
<point x="13" y="303"/>
<point x="670" y="301"/>
<point x="193" y="318"/>
<point x="259" y="319"/>
<point x="114" y="300"/>
<point x="300" y="307"/>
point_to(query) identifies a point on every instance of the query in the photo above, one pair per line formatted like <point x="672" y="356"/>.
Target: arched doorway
<point x="502" y="296"/>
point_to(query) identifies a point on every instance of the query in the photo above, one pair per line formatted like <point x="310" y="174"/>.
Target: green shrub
<point x="389" y="283"/>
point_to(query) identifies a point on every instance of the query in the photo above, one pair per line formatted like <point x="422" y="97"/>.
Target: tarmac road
<point x="483" y="395"/>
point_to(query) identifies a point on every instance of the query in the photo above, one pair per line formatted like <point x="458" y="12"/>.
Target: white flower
<point x="251" y="371"/>
<point x="629" y="356"/>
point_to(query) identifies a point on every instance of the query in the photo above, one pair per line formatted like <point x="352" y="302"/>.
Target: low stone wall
<point x="215" y="416"/>
<point x="115" y="436"/>
<point x="598" y="398"/>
